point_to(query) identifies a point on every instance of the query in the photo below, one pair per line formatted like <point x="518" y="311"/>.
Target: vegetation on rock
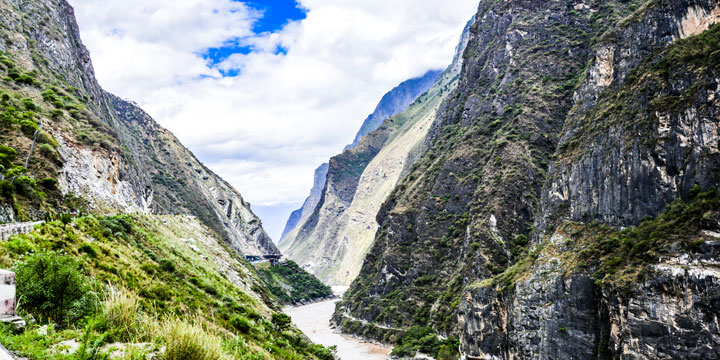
<point x="290" y="284"/>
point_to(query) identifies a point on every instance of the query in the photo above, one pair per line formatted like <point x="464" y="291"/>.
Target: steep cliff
<point x="643" y="133"/>
<point x="105" y="154"/>
<point x="394" y="102"/>
<point x="558" y="122"/>
<point x="334" y="239"/>
<point x="301" y="215"/>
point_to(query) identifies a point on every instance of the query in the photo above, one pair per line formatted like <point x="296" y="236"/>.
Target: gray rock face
<point x="300" y="215"/>
<point x="627" y="127"/>
<point x="555" y="315"/>
<point x="618" y="171"/>
<point x="396" y="101"/>
<point x="140" y="167"/>
<point x="626" y="171"/>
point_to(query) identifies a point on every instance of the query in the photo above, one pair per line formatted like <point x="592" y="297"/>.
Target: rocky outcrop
<point x="111" y="152"/>
<point x="333" y="241"/>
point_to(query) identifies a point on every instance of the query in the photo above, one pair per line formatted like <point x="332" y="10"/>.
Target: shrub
<point x="281" y="321"/>
<point x="47" y="150"/>
<point x="88" y="249"/>
<point x="20" y="245"/>
<point x="28" y="127"/>
<point x="29" y="104"/>
<point x="45" y="138"/>
<point x="25" y="185"/>
<point x="48" y="183"/>
<point x="26" y="79"/>
<point x="53" y="287"/>
<point x="167" y="265"/>
<point x="241" y="324"/>
<point x="7" y="156"/>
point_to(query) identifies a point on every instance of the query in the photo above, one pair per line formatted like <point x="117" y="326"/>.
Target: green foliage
<point x="29" y="105"/>
<point x="28" y="127"/>
<point x="143" y="302"/>
<point x="304" y="286"/>
<point x="48" y="183"/>
<point x="281" y="321"/>
<point x="52" y="286"/>
<point x="423" y="339"/>
<point x="241" y="323"/>
<point x="47" y="150"/>
<point x="7" y="156"/>
<point x="167" y="266"/>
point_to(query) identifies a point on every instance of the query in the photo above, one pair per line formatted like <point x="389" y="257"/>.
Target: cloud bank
<point x="264" y="117"/>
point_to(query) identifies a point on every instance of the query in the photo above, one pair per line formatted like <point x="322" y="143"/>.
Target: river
<point x="314" y="321"/>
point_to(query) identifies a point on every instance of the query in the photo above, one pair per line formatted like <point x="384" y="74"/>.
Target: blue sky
<point x="264" y="91"/>
<point x="275" y="15"/>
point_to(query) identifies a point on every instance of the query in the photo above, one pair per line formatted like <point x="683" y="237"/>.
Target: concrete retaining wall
<point x="8" y="230"/>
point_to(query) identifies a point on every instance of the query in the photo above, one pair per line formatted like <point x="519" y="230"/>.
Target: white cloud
<point x="266" y="129"/>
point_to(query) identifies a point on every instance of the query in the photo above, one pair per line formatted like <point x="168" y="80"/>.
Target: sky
<point x="265" y="91"/>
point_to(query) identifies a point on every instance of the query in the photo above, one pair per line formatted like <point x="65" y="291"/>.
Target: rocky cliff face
<point x="396" y="101"/>
<point x="571" y="121"/>
<point x="102" y="149"/>
<point x="301" y="215"/>
<point x="334" y="239"/>
<point x="643" y="133"/>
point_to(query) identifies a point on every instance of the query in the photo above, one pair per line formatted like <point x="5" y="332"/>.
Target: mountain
<point x="141" y="251"/>
<point x="97" y="146"/>
<point x="565" y="204"/>
<point x="392" y="103"/>
<point x="300" y="215"/>
<point x="333" y="240"/>
<point x="396" y="101"/>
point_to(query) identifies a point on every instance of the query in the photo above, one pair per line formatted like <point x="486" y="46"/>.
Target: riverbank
<point x="314" y="321"/>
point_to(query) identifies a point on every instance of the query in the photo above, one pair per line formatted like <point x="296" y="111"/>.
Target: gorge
<point x="551" y="194"/>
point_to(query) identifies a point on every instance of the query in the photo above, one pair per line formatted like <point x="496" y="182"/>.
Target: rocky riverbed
<point x="314" y="320"/>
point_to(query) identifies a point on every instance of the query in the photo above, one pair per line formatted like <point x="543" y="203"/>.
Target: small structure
<point x="7" y="300"/>
<point x="274" y="259"/>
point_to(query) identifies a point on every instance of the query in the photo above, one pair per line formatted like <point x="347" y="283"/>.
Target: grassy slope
<point x="290" y="284"/>
<point x="205" y="285"/>
<point x="26" y="101"/>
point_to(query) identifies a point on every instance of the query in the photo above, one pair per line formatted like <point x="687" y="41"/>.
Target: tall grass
<point x="189" y="340"/>
<point x="121" y="310"/>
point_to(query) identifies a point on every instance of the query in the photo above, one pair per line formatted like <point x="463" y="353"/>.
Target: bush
<point x="7" y="156"/>
<point x="53" y="288"/>
<point x="47" y="150"/>
<point x="121" y="311"/>
<point x="47" y="139"/>
<point x="19" y="244"/>
<point x="241" y="324"/>
<point x="88" y="249"/>
<point x="281" y="321"/>
<point x="28" y="127"/>
<point x="167" y="265"/>
<point x="29" y="104"/>
<point x="48" y="183"/>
